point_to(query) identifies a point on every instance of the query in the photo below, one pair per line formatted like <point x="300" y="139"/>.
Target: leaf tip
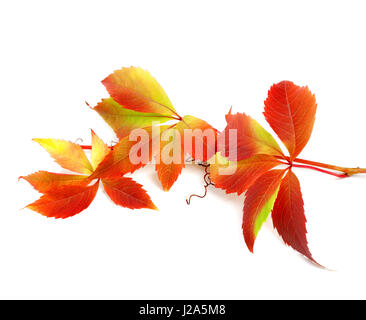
<point x="250" y="245"/>
<point x="153" y="207"/>
<point x="231" y="108"/>
<point x="249" y="241"/>
<point x="166" y="188"/>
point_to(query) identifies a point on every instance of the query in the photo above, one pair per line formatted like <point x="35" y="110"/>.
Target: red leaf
<point x="258" y="204"/>
<point x="127" y="193"/>
<point x="288" y="215"/>
<point x="290" y="111"/>
<point x="246" y="172"/>
<point x="66" y="201"/>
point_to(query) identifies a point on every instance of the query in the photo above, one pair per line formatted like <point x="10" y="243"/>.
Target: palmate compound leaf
<point x="290" y="111"/>
<point x="138" y="102"/>
<point x="288" y="215"/>
<point x="66" y="195"/>
<point x="122" y="191"/>
<point x="252" y="139"/>
<point x="258" y="203"/>
<point x="123" y="120"/>
<point x="136" y="89"/>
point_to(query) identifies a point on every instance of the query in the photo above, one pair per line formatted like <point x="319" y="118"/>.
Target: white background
<point x="208" y="55"/>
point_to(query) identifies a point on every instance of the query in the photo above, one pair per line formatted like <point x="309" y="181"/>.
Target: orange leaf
<point x="66" y="201"/>
<point x="290" y="111"/>
<point x="44" y="181"/>
<point x="171" y="158"/>
<point x="191" y="136"/>
<point x="242" y="173"/>
<point x="127" y="193"/>
<point x="289" y="217"/>
<point x="258" y="204"/>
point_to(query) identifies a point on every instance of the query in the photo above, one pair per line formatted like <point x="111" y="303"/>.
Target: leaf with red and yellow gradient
<point x="128" y="154"/>
<point x="123" y="120"/>
<point x="99" y="150"/>
<point x="170" y="159"/>
<point x="200" y="138"/>
<point x="67" y="154"/>
<point x="136" y="89"/>
<point x="44" y="181"/>
<point x="191" y="136"/>
<point x="258" y="203"/>
<point x="251" y="139"/>
<point x="289" y="217"/>
<point x="238" y="176"/>
<point x="290" y="111"/>
<point x="127" y="193"/>
<point x="66" y="201"/>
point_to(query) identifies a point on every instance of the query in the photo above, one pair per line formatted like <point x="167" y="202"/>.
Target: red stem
<point x="348" y="171"/>
<point x="343" y="175"/>
<point x="85" y="147"/>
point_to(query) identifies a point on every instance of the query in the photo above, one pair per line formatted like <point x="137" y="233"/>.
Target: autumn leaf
<point x="242" y="173"/>
<point x="136" y="89"/>
<point x="200" y="138"/>
<point x="138" y="102"/>
<point x="288" y="215"/>
<point x="258" y="204"/>
<point x="67" y="154"/>
<point x="252" y="139"/>
<point x="65" y="195"/>
<point x="118" y="161"/>
<point x="170" y="159"/>
<point x="44" y="181"/>
<point x="197" y="133"/>
<point x="123" y="120"/>
<point x="127" y="193"/>
<point x="66" y="201"/>
<point x="99" y="150"/>
<point x="290" y="111"/>
<point x="191" y="136"/>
